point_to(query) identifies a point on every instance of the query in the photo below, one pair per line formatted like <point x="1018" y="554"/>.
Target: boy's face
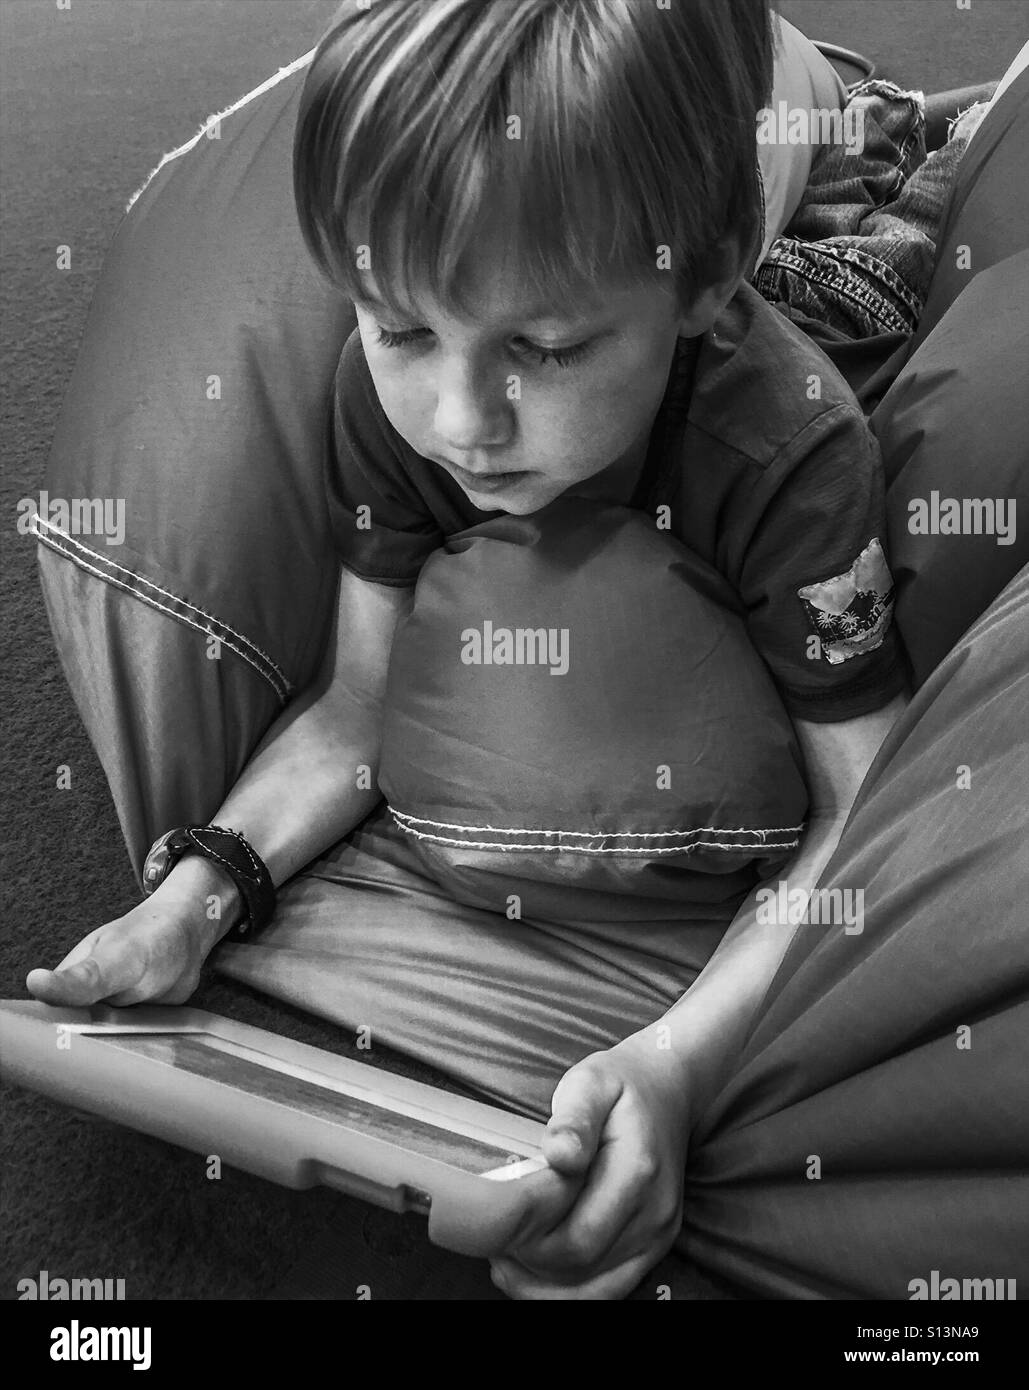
<point x="476" y="397"/>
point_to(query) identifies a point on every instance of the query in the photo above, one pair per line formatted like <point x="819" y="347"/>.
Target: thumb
<point x="108" y="966"/>
<point x="582" y="1101"/>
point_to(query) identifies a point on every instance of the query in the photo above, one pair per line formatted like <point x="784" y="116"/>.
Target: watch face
<point x="157" y="864"/>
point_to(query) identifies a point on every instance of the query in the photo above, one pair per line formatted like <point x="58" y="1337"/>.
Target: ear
<point x="724" y="275"/>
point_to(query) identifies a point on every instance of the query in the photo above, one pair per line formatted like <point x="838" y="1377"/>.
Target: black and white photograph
<point x="515" y="672"/>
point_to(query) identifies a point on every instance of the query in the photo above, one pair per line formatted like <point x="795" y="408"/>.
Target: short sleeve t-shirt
<point x="759" y="461"/>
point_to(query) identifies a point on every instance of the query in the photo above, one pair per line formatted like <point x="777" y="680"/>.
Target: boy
<point x="543" y="310"/>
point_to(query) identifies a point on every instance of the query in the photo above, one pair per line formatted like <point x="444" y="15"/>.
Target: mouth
<point x="487" y="482"/>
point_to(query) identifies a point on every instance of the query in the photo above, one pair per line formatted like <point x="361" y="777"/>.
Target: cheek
<point x="602" y="421"/>
<point x="404" y="404"/>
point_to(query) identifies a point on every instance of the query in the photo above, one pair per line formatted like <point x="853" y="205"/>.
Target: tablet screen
<point x="257" y="1074"/>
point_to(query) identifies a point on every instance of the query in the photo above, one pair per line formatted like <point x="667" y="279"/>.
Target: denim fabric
<point x="859" y="252"/>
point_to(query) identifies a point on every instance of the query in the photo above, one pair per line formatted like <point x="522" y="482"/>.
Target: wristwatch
<point x="236" y="856"/>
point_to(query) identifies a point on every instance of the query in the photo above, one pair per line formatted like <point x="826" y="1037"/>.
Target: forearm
<point x="707" y="1027"/>
<point x="309" y="782"/>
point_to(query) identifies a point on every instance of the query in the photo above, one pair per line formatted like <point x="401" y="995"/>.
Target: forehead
<point x="495" y="304"/>
<point x="502" y="297"/>
<point x="490" y="285"/>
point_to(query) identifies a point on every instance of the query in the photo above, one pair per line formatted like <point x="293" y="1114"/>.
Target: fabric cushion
<point x="199" y="404"/>
<point x="895" y="1055"/>
<point x="954" y="430"/>
<point x="645" y="752"/>
<point x="200" y="398"/>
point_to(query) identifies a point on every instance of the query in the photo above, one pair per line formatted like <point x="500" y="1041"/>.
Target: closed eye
<point x="561" y="357"/>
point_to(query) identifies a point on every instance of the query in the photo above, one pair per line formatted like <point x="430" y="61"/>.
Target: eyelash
<point x="562" y="357"/>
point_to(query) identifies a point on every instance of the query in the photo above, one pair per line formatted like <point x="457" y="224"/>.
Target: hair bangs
<point x="584" y="142"/>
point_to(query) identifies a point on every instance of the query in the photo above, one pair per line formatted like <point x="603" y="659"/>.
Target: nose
<point x="472" y="410"/>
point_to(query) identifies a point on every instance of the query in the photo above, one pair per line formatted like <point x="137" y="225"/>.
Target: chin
<point x="532" y="502"/>
<point x="512" y="508"/>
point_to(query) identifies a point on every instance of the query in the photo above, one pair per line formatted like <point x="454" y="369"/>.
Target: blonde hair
<point x="589" y="133"/>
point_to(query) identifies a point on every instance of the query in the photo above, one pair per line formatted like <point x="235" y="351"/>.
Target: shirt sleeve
<point x="382" y="527"/>
<point x="815" y="578"/>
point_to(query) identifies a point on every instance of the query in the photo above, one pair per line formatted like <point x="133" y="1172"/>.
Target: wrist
<point x="207" y="894"/>
<point x="689" y="1056"/>
<point x="656" y="1057"/>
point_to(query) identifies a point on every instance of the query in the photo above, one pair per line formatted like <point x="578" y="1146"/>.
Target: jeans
<point x="858" y="254"/>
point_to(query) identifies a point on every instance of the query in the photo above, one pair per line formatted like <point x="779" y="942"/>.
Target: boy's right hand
<point x="154" y="952"/>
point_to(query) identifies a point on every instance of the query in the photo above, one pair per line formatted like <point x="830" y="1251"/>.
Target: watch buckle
<point x="155" y="869"/>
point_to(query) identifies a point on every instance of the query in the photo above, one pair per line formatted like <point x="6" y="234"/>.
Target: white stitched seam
<point x="587" y="849"/>
<point x="597" y="834"/>
<point x="163" y="608"/>
<point x="206" y="849"/>
<point x="141" y="579"/>
<point x="213" y="120"/>
<point x="241" y="841"/>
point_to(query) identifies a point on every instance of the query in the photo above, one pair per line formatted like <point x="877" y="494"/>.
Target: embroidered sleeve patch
<point x="851" y="611"/>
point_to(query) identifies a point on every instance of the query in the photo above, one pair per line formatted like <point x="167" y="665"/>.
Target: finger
<point x="108" y="966"/>
<point x="609" y="1221"/>
<point x="46" y="984"/>
<point x="654" y="1226"/>
<point x="548" y="1198"/>
<point x="581" y="1103"/>
<point x="518" y="1282"/>
<point x="67" y="987"/>
<point x="73" y="986"/>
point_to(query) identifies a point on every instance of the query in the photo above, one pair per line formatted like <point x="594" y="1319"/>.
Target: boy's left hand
<point x="622" y="1114"/>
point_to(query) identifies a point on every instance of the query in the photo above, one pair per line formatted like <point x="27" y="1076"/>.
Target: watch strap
<point x="236" y="856"/>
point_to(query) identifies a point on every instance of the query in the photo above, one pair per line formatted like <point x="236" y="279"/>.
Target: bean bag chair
<point x="199" y="399"/>
<point x="954" y="429"/>
<point x="876" y="1127"/>
<point x="954" y="425"/>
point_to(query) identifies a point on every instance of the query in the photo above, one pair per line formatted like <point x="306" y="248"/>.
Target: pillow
<point x="954" y="429"/>
<point x="954" y="425"/>
<point x="573" y="704"/>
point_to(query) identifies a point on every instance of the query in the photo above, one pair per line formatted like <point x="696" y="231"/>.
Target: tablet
<point x="288" y="1112"/>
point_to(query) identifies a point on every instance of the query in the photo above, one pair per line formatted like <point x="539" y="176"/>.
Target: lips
<point x="487" y="481"/>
